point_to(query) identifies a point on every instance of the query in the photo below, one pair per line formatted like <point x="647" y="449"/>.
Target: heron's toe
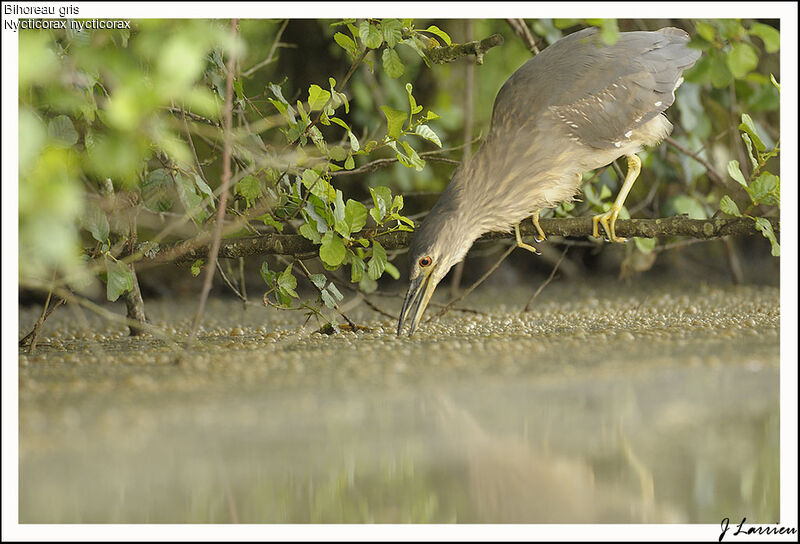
<point x="608" y="220"/>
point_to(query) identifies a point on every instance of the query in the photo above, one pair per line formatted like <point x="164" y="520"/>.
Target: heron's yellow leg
<point x="522" y="244"/>
<point x="609" y="218"/>
<point x="542" y="236"/>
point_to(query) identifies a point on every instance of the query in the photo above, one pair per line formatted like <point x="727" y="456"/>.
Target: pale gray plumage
<point x="576" y="106"/>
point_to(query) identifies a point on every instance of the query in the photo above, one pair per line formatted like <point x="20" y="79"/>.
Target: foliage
<point x="763" y="187"/>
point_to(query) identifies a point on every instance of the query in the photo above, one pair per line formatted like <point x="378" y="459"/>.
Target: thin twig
<point x="67" y="296"/>
<point x="378" y="163"/>
<point x="469" y="84"/>
<point x="335" y="305"/>
<point x="712" y="172"/>
<point x="223" y="198"/>
<point x="31" y="338"/>
<point x="546" y="282"/>
<point x="271" y="51"/>
<point x="522" y="30"/>
<point x="228" y="282"/>
<point x="472" y="287"/>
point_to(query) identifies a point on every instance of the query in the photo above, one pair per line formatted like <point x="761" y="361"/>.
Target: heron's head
<point x="441" y="241"/>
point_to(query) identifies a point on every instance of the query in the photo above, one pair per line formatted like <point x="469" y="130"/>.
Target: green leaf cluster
<point x="762" y="187"/>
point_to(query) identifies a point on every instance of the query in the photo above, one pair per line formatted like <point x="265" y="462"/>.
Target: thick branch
<point x="449" y="53"/>
<point x="296" y="245"/>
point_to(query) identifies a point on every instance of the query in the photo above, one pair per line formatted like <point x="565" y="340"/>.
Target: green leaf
<point x="736" y="173"/>
<point x="155" y="190"/>
<point x="441" y="33"/>
<point x="62" y="132"/>
<point x="357" y="268"/>
<point x="377" y="264"/>
<point x="310" y="232"/>
<point x="742" y="59"/>
<point x="95" y="221"/>
<point x="645" y="245"/>
<point x="415" y="160"/>
<point x="394" y="121"/>
<point x="327" y="299"/>
<point x="355" y="215"/>
<point x="266" y="275"/>
<point x="317" y="97"/>
<point x="687" y="205"/>
<point x="340" y="123"/>
<point x="370" y="34"/>
<point x="413" y="44"/>
<point x="392" y="31"/>
<point x="775" y="82"/>
<point x="287" y="282"/>
<point x="332" y="251"/>
<point x="749" y="144"/>
<point x="727" y="205"/>
<point x="335" y="292"/>
<point x="763" y="225"/>
<point x="349" y="163"/>
<point x="382" y="198"/>
<point x="190" y="199"/>
<point x="392" y="64"/>
<point x="319" y="280"/>
<point x="249" y="188"/>
<point x="197" y="266"/>
<point x="346" y="43"/>
<point x="412" y="103"/>
<point x="270" y="221"/>
<point x="119" y="279"/>
<point x="337" y="153"/>
<point x="765" y="189"/>
<point x="318" y="185"/>
<point x="392" y="271"/>
<point x="397" y="204"/>
<point x="354" y="145"/>
<point x="769" y="35"/>
<point x="204" y="189"/>
<point x="721" y="75"/>
<point x="749" y="127"/>
<point x="367" y="285"/>
<point x="706" y="31"/>
<point x="427" y="132"/>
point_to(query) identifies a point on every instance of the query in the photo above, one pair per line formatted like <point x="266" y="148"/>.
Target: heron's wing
<point x="609" y="116"/>
<point x="599" y="93"/>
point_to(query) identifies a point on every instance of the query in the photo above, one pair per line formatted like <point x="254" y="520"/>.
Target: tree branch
<point x="298" y="246"/>
<point x="449" y="53"/>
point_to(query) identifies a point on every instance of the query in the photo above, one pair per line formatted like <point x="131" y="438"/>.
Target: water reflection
<point x="680" y="444"/>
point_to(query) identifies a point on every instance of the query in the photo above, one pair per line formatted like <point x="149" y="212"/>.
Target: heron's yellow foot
<point x="522" y="244"/>
<point x="608" y="220"/>
<point x="541" y="236"/>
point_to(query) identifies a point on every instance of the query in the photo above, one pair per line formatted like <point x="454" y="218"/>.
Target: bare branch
<point x="546" y="282"/>
<point x="223" y="198"/>
<point x="522" y="30"/>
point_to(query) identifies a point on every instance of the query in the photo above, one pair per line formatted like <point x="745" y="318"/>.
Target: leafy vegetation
<point x="120" y="140"/>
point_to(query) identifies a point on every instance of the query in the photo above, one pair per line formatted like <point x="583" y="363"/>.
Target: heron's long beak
<point x="419" y="293"/>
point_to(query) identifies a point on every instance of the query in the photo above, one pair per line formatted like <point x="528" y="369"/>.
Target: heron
<point x="578" y="105"/>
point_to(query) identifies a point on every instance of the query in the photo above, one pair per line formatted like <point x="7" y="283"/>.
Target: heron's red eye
<point x="425" y="261"/>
